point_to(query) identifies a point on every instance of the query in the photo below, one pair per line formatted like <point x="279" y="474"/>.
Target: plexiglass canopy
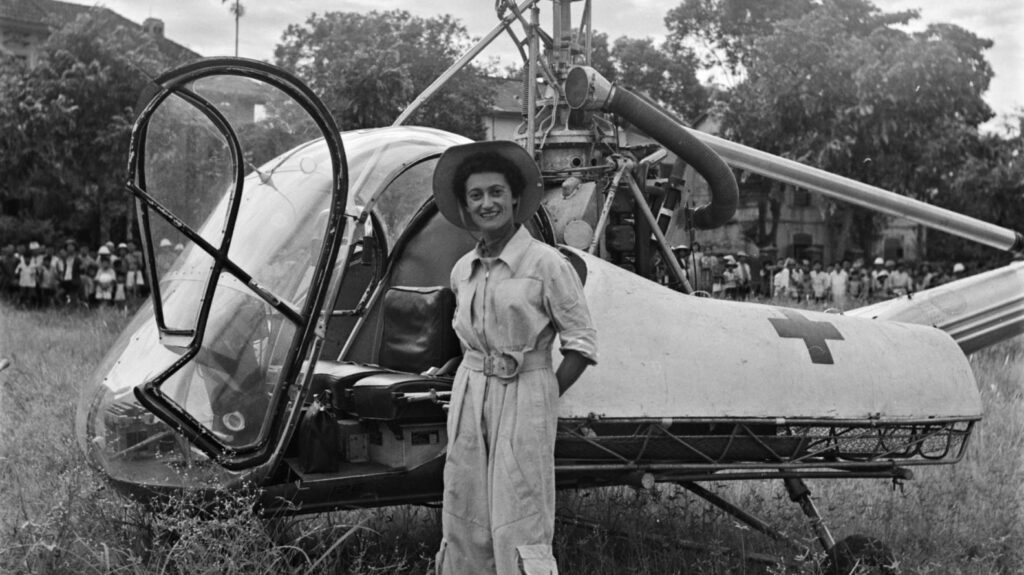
<point x="224" y="345"/>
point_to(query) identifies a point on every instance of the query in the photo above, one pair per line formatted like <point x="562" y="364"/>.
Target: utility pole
<point x="237" y="9"/>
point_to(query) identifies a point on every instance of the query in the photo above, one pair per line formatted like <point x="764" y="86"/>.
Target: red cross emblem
<point x="814" y="333"/>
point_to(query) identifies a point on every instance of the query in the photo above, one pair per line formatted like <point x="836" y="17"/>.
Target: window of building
<point x="892" y="249"/>
<point x="801" y="243"/>
<point x="801" y="198"/>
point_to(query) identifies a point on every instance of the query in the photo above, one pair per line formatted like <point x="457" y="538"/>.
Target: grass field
<point x="58" y="516"/>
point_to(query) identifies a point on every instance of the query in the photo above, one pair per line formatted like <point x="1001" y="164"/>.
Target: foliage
<point x="666" y="74"/>
<point x="64" y="123"/>
<point x="22" y="231"/>
<point x="726" y="29"/>
<point x="989" y="185"/>
<point x="369" y="67"/>
<point x="841" y="87"/>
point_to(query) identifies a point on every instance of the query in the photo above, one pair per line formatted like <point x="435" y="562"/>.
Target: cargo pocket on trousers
<point x="536" y="560"/>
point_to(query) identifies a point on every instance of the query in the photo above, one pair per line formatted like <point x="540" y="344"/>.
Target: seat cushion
<point x="417" y="331"/>
<point x="379" y="397"/>
<point x="338" y="377"/>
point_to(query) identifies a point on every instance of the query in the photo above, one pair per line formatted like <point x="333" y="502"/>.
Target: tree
<point x="666" y="75"/>
<point x="65" y="124"/>
<point x="988" y="185"/>
<point x="369" y="67"/>
<point x="726" y="29"/>
<point x="669" y="77"/>
<point x="842" y="88"/>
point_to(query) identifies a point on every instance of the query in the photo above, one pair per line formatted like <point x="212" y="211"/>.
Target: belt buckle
<point x="500" y="365"/>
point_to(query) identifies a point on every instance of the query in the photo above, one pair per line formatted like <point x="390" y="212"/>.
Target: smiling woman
<point x="513" y="294"/>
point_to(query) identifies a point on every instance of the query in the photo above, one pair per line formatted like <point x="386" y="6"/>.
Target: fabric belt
<point x="506" y="365"/>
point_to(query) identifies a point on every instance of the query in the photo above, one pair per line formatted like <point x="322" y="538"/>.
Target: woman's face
<point x="490" y="202"/>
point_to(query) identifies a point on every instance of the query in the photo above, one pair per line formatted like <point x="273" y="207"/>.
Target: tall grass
<point x="57" y="515"/>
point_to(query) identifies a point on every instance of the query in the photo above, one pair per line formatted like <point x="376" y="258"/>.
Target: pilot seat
<point x="382" y="412"/>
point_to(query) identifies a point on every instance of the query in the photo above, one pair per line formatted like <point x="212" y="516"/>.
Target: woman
<point x="513" y="294"/>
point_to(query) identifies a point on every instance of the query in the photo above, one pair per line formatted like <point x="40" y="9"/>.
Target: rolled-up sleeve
<point x="567" y="308"/>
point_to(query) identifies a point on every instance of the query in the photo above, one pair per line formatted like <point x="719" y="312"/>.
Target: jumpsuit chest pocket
<point x="518" y="313"/>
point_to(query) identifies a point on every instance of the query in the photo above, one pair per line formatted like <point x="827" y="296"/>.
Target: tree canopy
<point x="840" y="86"/>
<point x="64" y="124"/>
<point x="666" y="74"/>
<point x="369" y="67"/>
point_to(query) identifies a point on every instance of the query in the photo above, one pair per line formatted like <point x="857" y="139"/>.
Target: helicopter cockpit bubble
<point x="205" y="385"/>
<point x="230" y="183"/>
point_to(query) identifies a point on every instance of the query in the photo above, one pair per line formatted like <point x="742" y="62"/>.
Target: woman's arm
<point x="572" y="366"/>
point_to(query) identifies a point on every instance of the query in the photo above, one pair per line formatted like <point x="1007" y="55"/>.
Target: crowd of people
<point x="844" y="284"/>
<point x="38" y="275"/>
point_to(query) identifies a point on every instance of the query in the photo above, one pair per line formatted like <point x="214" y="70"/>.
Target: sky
<point x="208" y="28"/>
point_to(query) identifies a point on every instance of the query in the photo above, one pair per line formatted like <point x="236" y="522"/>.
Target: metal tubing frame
<point x="602" y="221"/>
<point x="666" y="251"/>
<point x="531" y="81"/>
<point x="572" y="521"/>
<point x="749" y="519"/>
<point x="819" y="454"/>
<point x="800" y="494"/>
<point x="459" y="64"/>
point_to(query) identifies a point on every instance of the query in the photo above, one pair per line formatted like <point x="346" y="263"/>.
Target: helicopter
<point x="300" y="341"/>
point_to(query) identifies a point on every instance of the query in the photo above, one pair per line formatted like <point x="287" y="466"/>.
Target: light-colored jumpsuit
<point x="499" y="477"/>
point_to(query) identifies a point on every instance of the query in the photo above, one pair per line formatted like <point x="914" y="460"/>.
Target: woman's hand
<point x="572" y="366"/>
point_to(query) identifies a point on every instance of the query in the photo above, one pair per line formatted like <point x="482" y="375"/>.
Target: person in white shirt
<point x="783" y="280"/>
<point x="899" y="281"/>
<point x="839" y="279"/>
<point x="819" y="283"/>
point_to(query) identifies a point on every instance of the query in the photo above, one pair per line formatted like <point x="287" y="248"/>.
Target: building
<point x="803" y="231"/>
<point x="26" y="24"/>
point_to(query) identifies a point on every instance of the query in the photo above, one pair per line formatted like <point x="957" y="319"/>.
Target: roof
<point x="22" y="10"/>
<point x="41" y="14"/>
<point x="508" y="95"/>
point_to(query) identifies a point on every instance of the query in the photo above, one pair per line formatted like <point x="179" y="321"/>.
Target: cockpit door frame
<point x="175" y="82"/>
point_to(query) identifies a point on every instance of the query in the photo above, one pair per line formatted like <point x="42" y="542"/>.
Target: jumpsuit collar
<point x="511" y="254"/>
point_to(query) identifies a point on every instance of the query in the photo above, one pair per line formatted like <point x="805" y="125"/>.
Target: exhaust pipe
<point x="586" y="88"/>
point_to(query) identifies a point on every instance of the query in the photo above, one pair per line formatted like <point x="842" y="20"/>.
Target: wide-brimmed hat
<point x="447" y="197"/>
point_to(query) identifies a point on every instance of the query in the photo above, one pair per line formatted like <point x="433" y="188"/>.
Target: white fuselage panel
<point x="663" y="354"/>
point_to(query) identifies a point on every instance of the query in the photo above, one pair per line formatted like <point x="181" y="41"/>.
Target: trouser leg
<point x="499" y="496"/>
<point x="466" y="545"/>
<point x="521" y="425"/>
